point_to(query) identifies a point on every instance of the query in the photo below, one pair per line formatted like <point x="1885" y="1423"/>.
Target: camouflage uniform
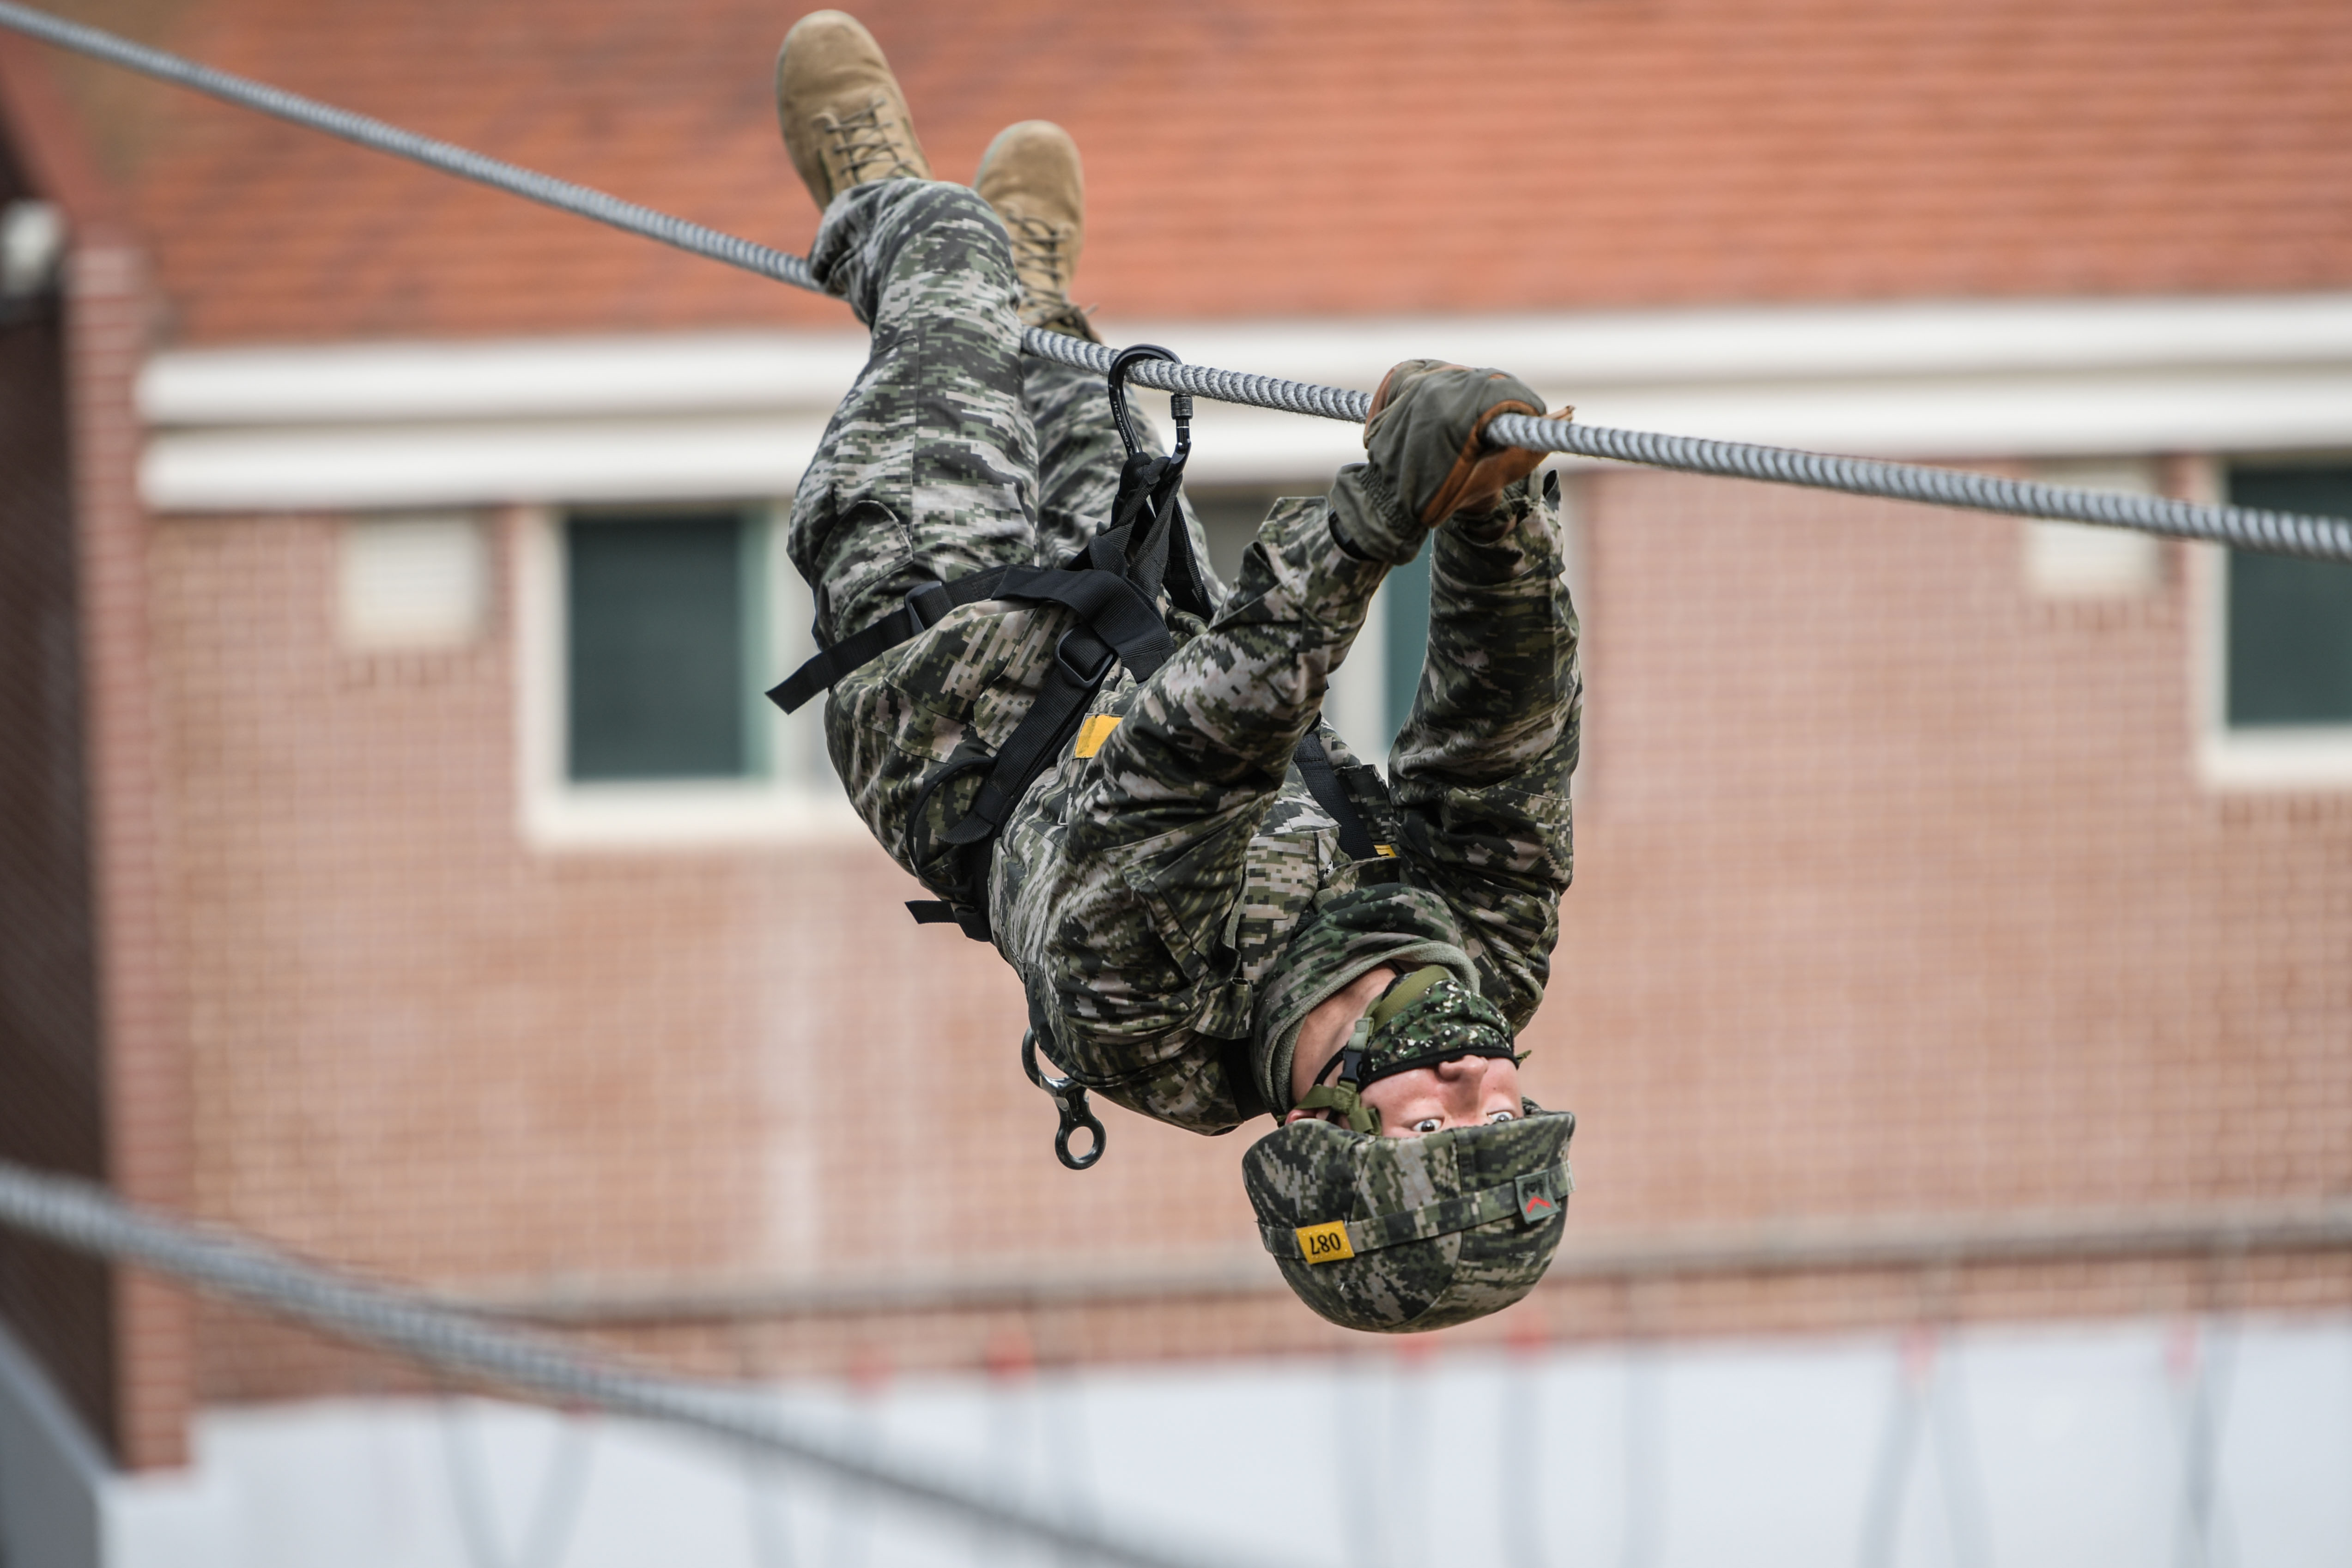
<point x="1176" y="902"/>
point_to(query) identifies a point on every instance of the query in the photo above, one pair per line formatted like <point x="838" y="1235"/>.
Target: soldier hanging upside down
<point x="1194" y="939"/>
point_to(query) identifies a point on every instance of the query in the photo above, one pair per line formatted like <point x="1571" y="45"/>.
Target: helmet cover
<point x="1401" y="1235"/>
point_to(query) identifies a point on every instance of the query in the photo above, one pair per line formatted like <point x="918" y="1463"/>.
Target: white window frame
<point x="2308" y="758"/>
<point x="796" y="798"/>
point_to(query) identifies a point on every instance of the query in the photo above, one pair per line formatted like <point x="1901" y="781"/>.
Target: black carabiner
<point x="1180" y="404"/>
<point x="1070" y="1100"/>
<point x="1148" y="505"/>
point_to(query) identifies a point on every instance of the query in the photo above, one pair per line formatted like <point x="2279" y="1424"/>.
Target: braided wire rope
<point x="2246" y="528"/>
<point x="88" y="1218"/>
<point x="2279" y="533"/>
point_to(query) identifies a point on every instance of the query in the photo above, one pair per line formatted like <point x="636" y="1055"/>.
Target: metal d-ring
<point x="1070" y="1100"/>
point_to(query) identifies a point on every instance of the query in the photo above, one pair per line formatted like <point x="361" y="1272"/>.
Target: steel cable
<point x="88" y="1219"/>
<point x="2279" y="533"/>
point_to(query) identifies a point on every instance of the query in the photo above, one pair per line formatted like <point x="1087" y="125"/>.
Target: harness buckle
<point x="1082" y="675"/>
<point x="928" y="603"/>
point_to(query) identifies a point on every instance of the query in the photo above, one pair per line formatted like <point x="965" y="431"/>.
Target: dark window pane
<point x="656" y="667"/>
<point x="1405" y="595"/>
<point x="2290" y="620"/>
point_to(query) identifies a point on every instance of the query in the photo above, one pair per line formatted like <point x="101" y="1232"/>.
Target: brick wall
<point x="1898" y="891"/>
<point x="423" y="1046"/>
<point x="143" y="1057"/>
<point x="1896" y="895"/>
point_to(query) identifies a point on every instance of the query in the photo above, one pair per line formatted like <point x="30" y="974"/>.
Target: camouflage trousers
<point x="952" y="454"/>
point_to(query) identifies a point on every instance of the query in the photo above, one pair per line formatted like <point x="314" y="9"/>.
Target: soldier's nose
<point x="1461" y="1084"/>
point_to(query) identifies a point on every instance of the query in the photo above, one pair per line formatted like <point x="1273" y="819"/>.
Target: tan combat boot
<point x="1030" y="174"/>
<point x="845" y="120"/>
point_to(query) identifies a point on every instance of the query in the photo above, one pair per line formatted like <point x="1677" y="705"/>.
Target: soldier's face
<point x="1462" y="1092"/>
<point x="1458" y="1093"/>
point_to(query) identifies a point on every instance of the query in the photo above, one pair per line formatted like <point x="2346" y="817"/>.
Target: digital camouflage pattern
<point x="1312" y="1173"/>
<point x="1447" y="1021"/>
<point x="1176" y="902"/>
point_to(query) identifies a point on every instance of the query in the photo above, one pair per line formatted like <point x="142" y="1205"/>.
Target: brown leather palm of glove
<point x="1426" y="436"/>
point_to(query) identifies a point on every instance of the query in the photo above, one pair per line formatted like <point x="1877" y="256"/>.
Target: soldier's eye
<point x="1502" y="1116"/>
<point x="1429" y="1125"/>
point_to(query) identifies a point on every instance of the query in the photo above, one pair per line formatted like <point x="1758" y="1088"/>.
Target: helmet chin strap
<point x="1344" y="1097"/>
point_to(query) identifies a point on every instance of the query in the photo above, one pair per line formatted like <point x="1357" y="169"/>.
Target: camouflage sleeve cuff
<point x="1511" y="511"/>
<point x="1369" y="521"/>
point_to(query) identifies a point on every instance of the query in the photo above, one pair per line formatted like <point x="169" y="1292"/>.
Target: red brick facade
<point x="1897" y="895"/>
<point x="1898" y="891"/>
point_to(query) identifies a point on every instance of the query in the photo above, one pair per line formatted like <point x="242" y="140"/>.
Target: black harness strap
<point x="1111" y="585"/>
<point x="939" y="912"/>
<point x="926" y="607"/>
<point x="1323" y="783"/>
<point x="993" y="805"/>
<point x="1080" y="663"/>
<point x="1116" y="610"/>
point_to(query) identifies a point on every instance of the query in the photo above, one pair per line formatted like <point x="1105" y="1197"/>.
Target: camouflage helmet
<point x="1399" y="1235"/>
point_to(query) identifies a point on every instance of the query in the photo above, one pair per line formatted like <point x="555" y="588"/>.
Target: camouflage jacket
<point x="1175" y="907"/>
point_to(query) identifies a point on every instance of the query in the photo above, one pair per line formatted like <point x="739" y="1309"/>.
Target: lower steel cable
<point x="87" y="1217"/>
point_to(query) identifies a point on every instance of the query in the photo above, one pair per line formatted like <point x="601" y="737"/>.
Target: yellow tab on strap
<point x="1094" y="732"/>
<point x="1325" y="1243"/>
<point x="1388" y="850"/>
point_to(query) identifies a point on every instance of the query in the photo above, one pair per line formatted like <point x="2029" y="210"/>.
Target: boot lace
<point x="863" y="145"/>
<point x="1037" y="266"/>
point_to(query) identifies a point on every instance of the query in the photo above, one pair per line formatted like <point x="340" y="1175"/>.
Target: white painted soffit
<point x="364" y="467"/>
<point x="392" y="383"/>
<point x="696" y="415"/>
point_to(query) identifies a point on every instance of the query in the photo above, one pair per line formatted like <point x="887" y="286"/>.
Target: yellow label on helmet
<point x="1094" y="732"/>
<point x="1325" y="1243"/>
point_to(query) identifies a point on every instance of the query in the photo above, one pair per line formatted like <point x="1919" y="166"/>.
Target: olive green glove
<point x="1425" y="437"/>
